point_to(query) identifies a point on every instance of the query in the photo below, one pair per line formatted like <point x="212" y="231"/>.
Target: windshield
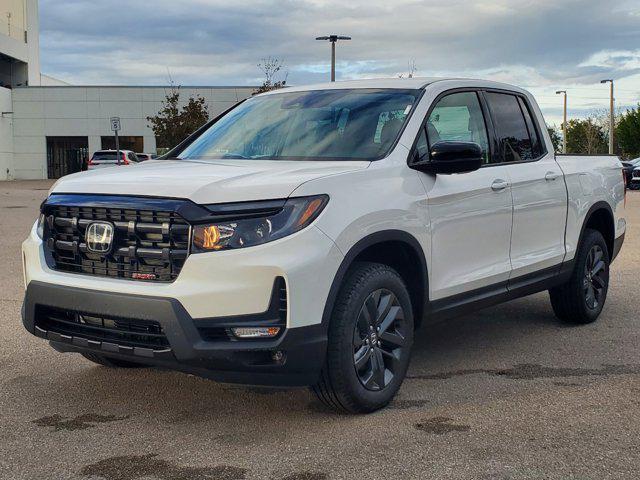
<point x="354" y="124"/>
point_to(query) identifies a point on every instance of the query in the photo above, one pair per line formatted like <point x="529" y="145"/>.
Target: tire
<point x="353" y="380"/>
<point x="581" y="299"/>
<point x="111" y="362"/>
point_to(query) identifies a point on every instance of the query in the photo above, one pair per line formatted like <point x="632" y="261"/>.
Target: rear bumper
<point x="246" y="362"/>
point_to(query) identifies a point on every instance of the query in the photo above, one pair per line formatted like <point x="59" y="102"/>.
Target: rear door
<point x="537" y="186"/>
<point x="470" y="212"/>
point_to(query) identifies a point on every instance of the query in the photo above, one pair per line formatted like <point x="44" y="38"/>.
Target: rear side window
<point x="536" y="143"/>
<point x="514" y="142"/>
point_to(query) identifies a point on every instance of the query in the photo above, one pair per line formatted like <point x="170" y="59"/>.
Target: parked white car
<point x="303" y="237"/>
<point x="109" y="158"/>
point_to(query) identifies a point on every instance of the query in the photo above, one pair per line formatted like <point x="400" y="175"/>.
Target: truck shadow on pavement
<point x="477" y="344"/>
<point x="501" y="344"/>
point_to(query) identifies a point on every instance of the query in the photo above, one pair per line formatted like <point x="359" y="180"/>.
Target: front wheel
<point x="370" y="338"/>
<point x="582" y="298"/>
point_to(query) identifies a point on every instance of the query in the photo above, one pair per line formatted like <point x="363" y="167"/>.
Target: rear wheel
<point x="111" y="362"/>
<point x="582" y="298"/>
<point x="370" y="339"/>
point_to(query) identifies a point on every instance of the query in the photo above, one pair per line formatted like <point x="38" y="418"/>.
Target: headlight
<point x="296" y="214"/>
<point x="40" y="226"/>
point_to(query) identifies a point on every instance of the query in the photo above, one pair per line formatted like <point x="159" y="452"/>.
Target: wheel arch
<point x="396" y="248"/>
<point x="600" y="217"/>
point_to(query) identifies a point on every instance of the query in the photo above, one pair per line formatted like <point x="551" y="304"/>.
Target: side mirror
<point x="452" y="157"/>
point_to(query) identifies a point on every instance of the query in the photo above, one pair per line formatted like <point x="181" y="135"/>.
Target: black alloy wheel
<point x="378" y="340"/>
<point x="595" y="278"/>
<point x="369" y="344"/>
<point x="581" y="298"/>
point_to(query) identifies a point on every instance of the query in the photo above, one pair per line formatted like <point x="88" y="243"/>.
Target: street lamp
<point x="333" y="39"/>
<point x="564" y="122"/>
<point x="612" y="120"/>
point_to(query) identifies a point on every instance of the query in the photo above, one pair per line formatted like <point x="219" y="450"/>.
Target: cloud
<point x="539" y="44"/>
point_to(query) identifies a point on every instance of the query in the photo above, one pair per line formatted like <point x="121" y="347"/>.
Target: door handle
<point x="499" y="185"/>
<point x="550" y="176"/>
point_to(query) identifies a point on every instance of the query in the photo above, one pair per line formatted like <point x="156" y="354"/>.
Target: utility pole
<point x="333" y="39"/>
<point x="612" y="120"/>
<point x="564" y="122"/>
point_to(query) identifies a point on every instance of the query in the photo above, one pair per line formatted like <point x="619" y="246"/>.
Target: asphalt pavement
<point x="505" y="393"/>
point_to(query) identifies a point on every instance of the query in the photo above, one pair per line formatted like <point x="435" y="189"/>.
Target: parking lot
<point x="505" y="393"/>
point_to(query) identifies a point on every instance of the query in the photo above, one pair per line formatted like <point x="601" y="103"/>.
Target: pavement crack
<point x="81" y="422"/>
<point x="527" y="371"/>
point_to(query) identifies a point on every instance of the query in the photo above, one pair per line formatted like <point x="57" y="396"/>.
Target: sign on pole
<point x="115" y="128"/>
<point x="115" y="124"/>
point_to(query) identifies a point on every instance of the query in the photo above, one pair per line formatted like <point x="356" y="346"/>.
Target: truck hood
<point x="212" y="181"/>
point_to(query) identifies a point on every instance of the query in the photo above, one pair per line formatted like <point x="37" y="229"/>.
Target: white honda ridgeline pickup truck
<point x="300" y="238"/>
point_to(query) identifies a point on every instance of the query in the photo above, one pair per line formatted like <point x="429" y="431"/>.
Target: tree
<point x="556" y="139"/>
<point x="271" y="67"/>
<point x="628" y="133"/>
<point x="173" y="124"/>
<point x="586" y="137"/>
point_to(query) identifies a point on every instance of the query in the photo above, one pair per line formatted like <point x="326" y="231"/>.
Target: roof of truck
<point x="401" y="83"/>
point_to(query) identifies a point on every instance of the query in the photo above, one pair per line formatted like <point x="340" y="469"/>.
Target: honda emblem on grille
<point x="99" y="237"/>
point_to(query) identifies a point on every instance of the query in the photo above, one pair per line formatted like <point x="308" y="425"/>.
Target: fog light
<point x="278" y="356"/>
<point x="256" y="332"/>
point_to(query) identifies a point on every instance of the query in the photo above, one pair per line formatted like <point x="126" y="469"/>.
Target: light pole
<point x="333" y="39"/>
<point x="564" y="122"/>
<point x="612" y="121"/>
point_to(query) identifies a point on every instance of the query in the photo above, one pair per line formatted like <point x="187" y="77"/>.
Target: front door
<point x="471" y="213"/>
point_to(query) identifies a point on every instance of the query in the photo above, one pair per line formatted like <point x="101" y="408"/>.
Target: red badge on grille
<point x="144" y="276"/>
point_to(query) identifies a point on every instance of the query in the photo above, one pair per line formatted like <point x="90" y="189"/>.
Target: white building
<point x="47" y="127"/>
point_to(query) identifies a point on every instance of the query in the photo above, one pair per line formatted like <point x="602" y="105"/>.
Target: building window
<point x="135" y="144"/>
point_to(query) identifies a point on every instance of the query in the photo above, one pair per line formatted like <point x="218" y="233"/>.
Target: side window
<point x="514" y="142"/>
<point x="458" y="117"/>
<point x="536" y="143"/>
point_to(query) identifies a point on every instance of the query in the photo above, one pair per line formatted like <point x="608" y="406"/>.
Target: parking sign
<point x="115" y="124"/>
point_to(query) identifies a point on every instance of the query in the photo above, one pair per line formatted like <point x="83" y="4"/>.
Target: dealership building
<point x="48" y="127"/>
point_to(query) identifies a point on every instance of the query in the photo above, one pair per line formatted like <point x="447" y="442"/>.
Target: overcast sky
<point x="542" y="45"/>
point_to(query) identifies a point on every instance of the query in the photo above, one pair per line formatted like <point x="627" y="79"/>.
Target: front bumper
<point x="217" y="287"/>
<point x="226" y="283"/>
<point x="248" y="362"/>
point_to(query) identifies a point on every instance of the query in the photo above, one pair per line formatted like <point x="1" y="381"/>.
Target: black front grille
<point x="119" y="331"/>
<point x="636" y="174"/>
<point x="148" y="244"/>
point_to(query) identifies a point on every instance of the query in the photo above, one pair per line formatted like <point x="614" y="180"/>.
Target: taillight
<point x="90" y="162"/>
<point x="125" y="160"/>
